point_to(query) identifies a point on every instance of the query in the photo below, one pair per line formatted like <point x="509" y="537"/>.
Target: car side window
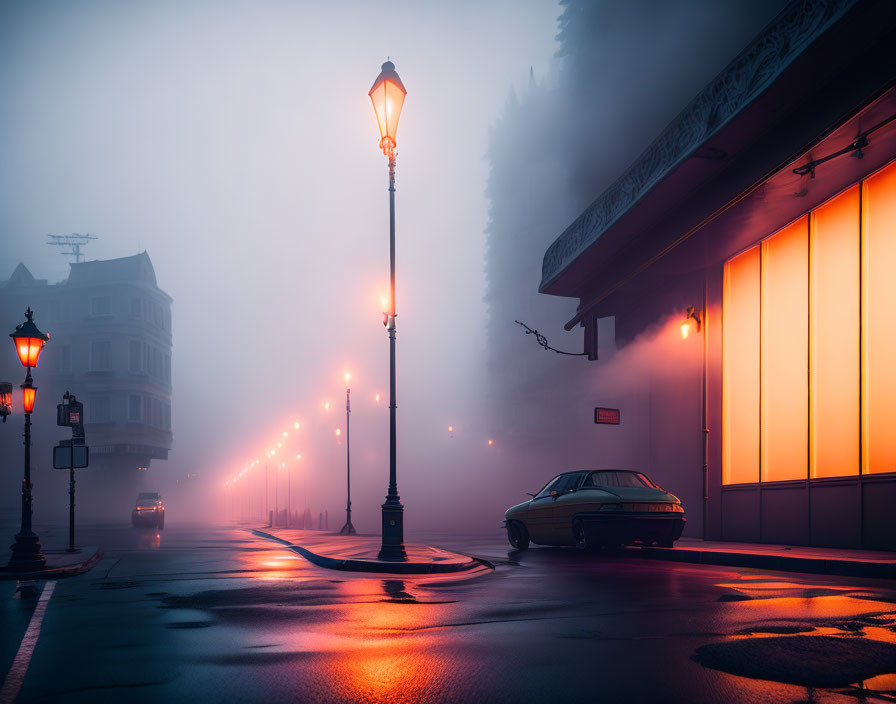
<point x="601" y="479"/>
<point x="567" y="483"/>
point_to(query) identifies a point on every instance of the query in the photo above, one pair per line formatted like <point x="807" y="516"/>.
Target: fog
<point x="235" y="143"/>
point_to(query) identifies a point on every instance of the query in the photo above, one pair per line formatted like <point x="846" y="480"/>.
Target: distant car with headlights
<point x="597" y="508"/>
<point x="149" y="511"/>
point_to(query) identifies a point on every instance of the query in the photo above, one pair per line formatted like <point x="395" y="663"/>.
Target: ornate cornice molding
<point x="747" y="76"/>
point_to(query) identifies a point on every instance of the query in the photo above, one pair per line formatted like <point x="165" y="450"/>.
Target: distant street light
<point x="348" y="528"/>
<point x="5" y="399"/>
<point x="388" y="95"/>
<point x="29" y="341"/>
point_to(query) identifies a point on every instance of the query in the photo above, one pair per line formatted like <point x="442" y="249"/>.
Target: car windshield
<point x="146" y="503"/>
<point x="619" y="478"/>
<point x="548" y="488"/>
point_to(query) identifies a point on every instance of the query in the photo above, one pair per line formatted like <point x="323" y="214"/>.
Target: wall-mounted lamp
<point x="692" y="314"/>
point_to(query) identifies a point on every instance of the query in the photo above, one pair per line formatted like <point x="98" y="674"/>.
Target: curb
<point x="780" y="563"/>
<point x="55" y="573"/>
<point x="352" y="565"/>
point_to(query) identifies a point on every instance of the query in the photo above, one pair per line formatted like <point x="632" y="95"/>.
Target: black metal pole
<point x="348" y="528"/>
<point x="26" y="552"/>
<point x="71" y="500"/>
<point x="393" y="512"/>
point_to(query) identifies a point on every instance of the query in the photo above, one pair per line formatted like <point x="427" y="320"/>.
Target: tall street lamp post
<point x="388" y="95"/>
<point x="348" y="528"/>
<point x="29" y="341"/>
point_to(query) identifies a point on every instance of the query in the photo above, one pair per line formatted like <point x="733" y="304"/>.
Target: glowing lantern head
<point x="298" y="457"/>
<point x="327" y="406"/>
<point x="491" y="442"/>
<point x="347" y="377"/>
<point x="450" y="428"/>
<point x="387" y="96"/>
<point x="296" y="425"/>
<point x="685" y="330"/>
<point x="29" y="341"/>
<point x="285" y="434"/>
<point x="377" y="397"/>
<point x="338" y="432"/>
<point x="28" y="394"/>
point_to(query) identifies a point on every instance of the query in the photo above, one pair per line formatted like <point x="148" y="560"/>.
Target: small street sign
<point x="70" y="456"/>
<point x="607" y="416"/>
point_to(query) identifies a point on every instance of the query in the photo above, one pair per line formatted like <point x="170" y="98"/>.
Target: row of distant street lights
<point x="387" y="95"/>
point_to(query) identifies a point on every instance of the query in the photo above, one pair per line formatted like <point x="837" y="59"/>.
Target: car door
<point x="565" y="505"/>
<point x="540" y="511"/>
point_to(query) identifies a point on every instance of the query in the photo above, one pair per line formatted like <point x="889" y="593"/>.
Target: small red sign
<point x="608" y="416"/>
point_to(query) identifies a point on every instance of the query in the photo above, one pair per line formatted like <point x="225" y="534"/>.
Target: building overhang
<point x="816" y="65"/>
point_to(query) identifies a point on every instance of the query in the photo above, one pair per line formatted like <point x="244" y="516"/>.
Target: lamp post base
<point x="347" y="529"/>
<point x="26" y="553"/>
<point x="392" y="548"/>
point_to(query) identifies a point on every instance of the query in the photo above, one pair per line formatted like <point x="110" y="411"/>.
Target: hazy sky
<point x="235" y="142"/>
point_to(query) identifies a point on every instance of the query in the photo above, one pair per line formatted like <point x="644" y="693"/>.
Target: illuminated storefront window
<point x="808" y="338"/>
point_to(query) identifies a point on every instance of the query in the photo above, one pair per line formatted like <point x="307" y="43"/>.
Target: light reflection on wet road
<point x="208" y="614"/>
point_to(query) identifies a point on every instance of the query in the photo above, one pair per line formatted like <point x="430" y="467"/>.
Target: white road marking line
<point x="16" y="676"/>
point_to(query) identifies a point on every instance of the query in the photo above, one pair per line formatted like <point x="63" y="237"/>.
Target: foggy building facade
<point x="748" y="258"/>
<point x="110" y="345"/>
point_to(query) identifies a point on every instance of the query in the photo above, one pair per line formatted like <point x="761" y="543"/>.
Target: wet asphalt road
<point x="216" y="614"/>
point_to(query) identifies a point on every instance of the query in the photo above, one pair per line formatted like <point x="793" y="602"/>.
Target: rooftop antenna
<point x="73" y="242"/>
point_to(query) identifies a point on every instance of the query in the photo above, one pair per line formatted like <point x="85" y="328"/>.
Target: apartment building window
<point x="135" y="408"/>
<point x="100" y="305"/>
<point x="100" y="409"/>
<point x="100" y="355"/>
<point x="134" y="309"/>
<point x="168" y="368"/>
<point x="166" y="417"/>
<point x="808" y="332"/>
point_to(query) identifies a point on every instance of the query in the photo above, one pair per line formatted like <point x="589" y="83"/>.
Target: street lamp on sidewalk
<point x="388" y="95"/>
<point x="348" y="528"/>
<point x="29" y="341"/>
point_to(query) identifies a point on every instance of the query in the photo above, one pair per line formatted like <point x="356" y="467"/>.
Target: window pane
<point x="834" y="337"/>
<point x="785" y="353"/>
<point x="879" y="321"/>
<point x="740" y="369"/>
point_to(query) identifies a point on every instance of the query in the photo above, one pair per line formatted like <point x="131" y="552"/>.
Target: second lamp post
<point x="387" y="96"/>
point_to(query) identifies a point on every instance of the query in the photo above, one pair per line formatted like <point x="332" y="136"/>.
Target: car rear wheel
<point x="518" y="535"/>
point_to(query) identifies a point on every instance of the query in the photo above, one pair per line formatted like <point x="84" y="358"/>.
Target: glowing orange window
<point x="740" y="369"/>
<point x="879" y="321"/>
<point x="785" y="353"/>
<point x="834" y="337"/>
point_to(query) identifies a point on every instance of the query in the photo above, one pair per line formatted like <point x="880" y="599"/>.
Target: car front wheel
<point x="518" y="535"/>
<point x="580" y="535"/>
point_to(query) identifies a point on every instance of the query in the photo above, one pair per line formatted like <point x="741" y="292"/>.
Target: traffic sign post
<point x="71" y="454"/>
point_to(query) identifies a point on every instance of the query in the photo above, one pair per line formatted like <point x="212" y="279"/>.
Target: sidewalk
<point x="358" y="553"/>
<point x="786" y="558"/>
<point x="60" y="563"/>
